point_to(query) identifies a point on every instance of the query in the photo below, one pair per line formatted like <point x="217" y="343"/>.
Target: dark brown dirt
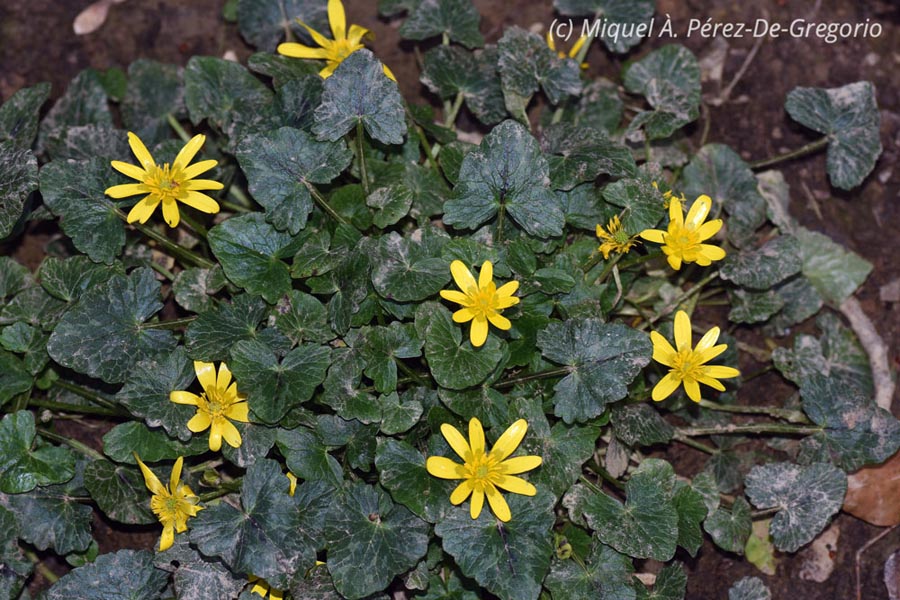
<point x="37" y="44"/>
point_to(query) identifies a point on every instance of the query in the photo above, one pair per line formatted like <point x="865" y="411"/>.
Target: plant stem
<point x="513" y="381"/>
<point x="86" y="450"/>
<point x="86" y="394"/>
<point x="174" y="248"/>
<point x="579" y="59"/>
<point x="175" y="125"/>
<point x="239" y="195"/>
<point x="410" y="373"/>
<point x="776" y="428"/>
<point x="199" y="229"/>
<point x="801" y="151"/>
<point x="426" y="147"/>
<point x="225" y="488"/>
<point x="681" y="298"/>
<point x="323" y="204"/>
<point x="498" y="232"/>
<point x="766" y="512"/>
<point x="784" y="414"/>
<point x="233" y="207"/>
<point x="162" y="270"/>
<point x="607" y="269"/>
<point x="171" y="324"/>
<point x="450" y="117"/>
<point x="361" y="155"/>
<point x="85" y="410"/>
<point x="695" y="444"/>
<point x="43" y="569"/>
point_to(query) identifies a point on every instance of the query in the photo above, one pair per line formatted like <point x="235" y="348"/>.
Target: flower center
<point x="682" y="240"/>
<point x="481" y="469"/>
<point x="621" y="237"/>
<point x="165" y="181"/>
<point x="215" y="406"/>
<point x="341" y="49"/>
<point x="484" y="302"/>
<point x="686" y="365"/>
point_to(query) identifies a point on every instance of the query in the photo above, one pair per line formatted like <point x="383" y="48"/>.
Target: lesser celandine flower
<point x="262" y="587"/>
<point x="166" y="185"/>
<point x="219" y="402"/>
<point x="687" y="366"/>
<point x="333" y="51"/>
<point x="573" y="51"/>
<point x="483" y="472"/>
<point x="682" y="243"/>
<point x="481" y="301"/>
<point x="614" y="238"/>
<point x="171" y="504"/>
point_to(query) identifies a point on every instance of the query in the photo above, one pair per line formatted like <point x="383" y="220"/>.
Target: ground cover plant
<point x="437" y="367"/>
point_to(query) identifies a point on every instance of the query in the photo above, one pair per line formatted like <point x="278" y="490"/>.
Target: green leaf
<point x="399" y="414"/>
<point x="342" y="388"/>
<point x="849" y="116"/>
<point x="83" y="103"/>
<point x="669" y="78"/>
<point x="279" y="165"/>
<point x="263" y="22"/>
<point x="599" y="106"/>
<point x="602" y="359"/>
<point x="20" y="113"/>
<point x="806" y="496"/>
<point x="152" y="445"/>
<point x="33" y="306"/>
<point x="273" y="388"/>
<point x="581" y="154"/>
<point x="267" y="536"/>
<point x="14" y="377"/>
<point x="526" y="63"/>
<point x="408" y="268"/>
<point x="484" y="403"/>
<point x="509" y="559"/>
<point x="155" y="90"/>
<point x="119" y="492"/>
<point x="717" y="171"/>
<point x="74" y="191"/>
<point x="19" y="180"/>
<point x="193" y="288"/>
<point x="382" y="346"/>
<point x="670" y="584"/>
<point x="360" y="92"/>
<point x="102" y="335"/>
<point x="67" y="279"/>
<point x="250" y="251"/>
<point x="456" y="18"/>
<point x="319" y="586"/>
<point x="691" y="511"/>
<point x="749" y="588"/>
<point x="730" y="528"/>
<point x="640" y="424"/>
<point x="285" y="69"/>
<point x="454" y="363"/>
<point x="646" y="526"/>
<point x="123" y="574"/>
<point x="582" y="207"/>
<point x="620" y="16"/>
<point x="451" y="70"/>
<point x="16" y="567"/>
<point x="28" y="341"/>
<point x="801" y="301"/>
<point x="212" y="335"/>
<point x="14" y="277"/>
<point x="24" y="465"/>
<point x="370" y="540"/>
<point x="763" y="268"/>
<point x="643" y="204"/>
<point x="391" y="204"/>
<point x="302" y="317"/>
<point x="307" y="456"/>
<point x="753" y="307"/>
<point x="401" y="470"/>
<point x="834" y="271"/>
<point x="196" y="576"/>
<point x="507" y="171"/>
<point x="606" y="575"/>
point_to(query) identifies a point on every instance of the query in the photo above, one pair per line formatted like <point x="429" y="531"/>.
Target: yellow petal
<point x="230" y="433"/>
<point x="674" y="261"/>
<point x="697" y="214"/>
<point x="710" y="353"/>
<point x="355" y="35"/>
<point x="709" y="229"/>
<point x="317" y="37"/>
<point x="199" y="422"/>
<point x="140" y="151"/>
<point x="300" y="51"/>
<point x="167" y="538"/>
<point x="182" y="397"/>
<point x="150" y="479"/>
<point x="461" y="492"/>
<point x="337" y="19"/>
<point x="675" y="214"/>
<point x="239" y="411"/>
<point x="520" y="464"/>
<point x="463" y="277"/>
<point x="454" y="296"/>
<point x="713" y="383"/>
<point x="224" y="379"/>
<point x="682" y="331"/>
<point x="206" y="374"/>
<point x="187" y="154"/>
<point x="708" y="340"/>
<point x="175" y="477"/>
<point x="486" y="275"/>
<point x="664" y="387"/>
<point x="125" y="190"/>
<point x="657" y="236"/>
<point x="463" y="315"/>
<point x="201" y="202"/>
<point x="663" y="352"/>
<point x="457" y="441"/>
<point x="444" y="468"/>
<point x="720" y="372"/>
<point x="389" y="73"/>
<point x="505" y="302"/>
<point x="516" y="485"/>
<point x="550" y="42"/>
<point x="329" y="69"/>
<point x="215" y="437"/>
<point x="711" y="252"/>
<point x="476" y="436"/>
<point x="510" y="440"/>
<point x="479" y="332"/>
<point x="500" y="322"/>
<point x="477" y="503"/>
<point x="143" y="209"/>
<point x="508" y="289"/>
<point x="692" y="388"/>
<point x="170" y="212"/>
<point x="199" y="168"/>
<point x="577" y="46"/>
<point x="203" y="185"/>
<point x="498" y="503"/>
<point x="133" y="171"/>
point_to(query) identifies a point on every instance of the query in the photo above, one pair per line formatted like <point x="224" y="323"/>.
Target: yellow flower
<point x="292" y="487"/>
<point x="615" y="238"/>
<point x="262" y="587"/>
<point x="481" y="301"/>
<point x="482" y="473"/>
<point x="573" y="51"/>
<point x="334" y="51"/>
<point x="683" y="240"/>
<point x="166" y="184"/>
<point x="688" y="366"/>
<point x="171" y="504"/>
<point x="667" y="195"/>
<point x="219" y="402"/>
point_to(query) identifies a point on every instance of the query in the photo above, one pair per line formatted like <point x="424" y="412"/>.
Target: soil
<point x="37" y="44"/>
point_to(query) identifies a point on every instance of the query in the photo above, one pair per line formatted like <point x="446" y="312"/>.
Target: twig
<point x="801" y="151"/>
<point x="862" y="551"/>
<point x="875" y="348"/>
<point x="785" y="414"/>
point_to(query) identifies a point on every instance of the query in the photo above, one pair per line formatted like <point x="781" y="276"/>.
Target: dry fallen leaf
<point x="817" y="559"/>
<point x="892" y="575"/>
<point x="873" y="493"/>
